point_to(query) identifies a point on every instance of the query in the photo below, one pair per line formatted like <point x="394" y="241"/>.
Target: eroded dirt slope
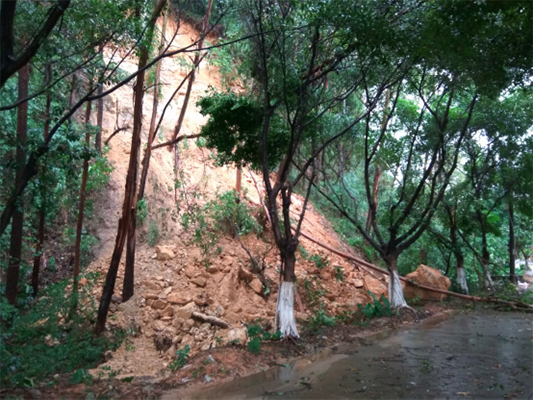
<point x="168" y="291"/>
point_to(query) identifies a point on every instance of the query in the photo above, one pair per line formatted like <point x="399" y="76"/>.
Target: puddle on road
<point x="487" y="355"/>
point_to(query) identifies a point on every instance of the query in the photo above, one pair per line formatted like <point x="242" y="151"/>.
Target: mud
<point x="476" y="355"/>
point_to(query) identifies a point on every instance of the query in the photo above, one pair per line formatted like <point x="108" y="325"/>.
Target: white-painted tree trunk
<point x="285" y="311"/>
<point x="489" y="283"/>
<point x="396" y="298"/>
<point x="461" y="280"/>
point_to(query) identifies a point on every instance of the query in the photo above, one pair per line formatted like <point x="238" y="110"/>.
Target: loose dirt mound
<point x="171" y="294"/>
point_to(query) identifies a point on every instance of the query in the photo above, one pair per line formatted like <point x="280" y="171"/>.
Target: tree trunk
<point x="512" y="245"/>
<point x="99" y="120"/>
<point x="17" y="222"/>
<point x="396" y="298"/>
<point x="81" y="208"/>
<point x="485" y="261"/>
<point x="42" y="212"/>
<point x="285" y="308"/>
<point x="196" y="62"/>
<point x="461" y="273"/>
<point x="129" y="195"/>
<point x="129" y="272"/>
<point x="375" y="191"/>
<point x="238" y="182"/>
<point x="151" y="131"/>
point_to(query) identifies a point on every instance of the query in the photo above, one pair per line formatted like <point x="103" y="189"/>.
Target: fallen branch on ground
<point x="513" y="304"/>
<point x="212" y="320"/>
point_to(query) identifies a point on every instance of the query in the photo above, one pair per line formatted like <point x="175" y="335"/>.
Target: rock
<point x="167" y="312"/>
<point x="190" y="272"/>
<point x="108" y="355"/>
<point x="256" y="285"/>
<point x="186" y="311"/>
<point x="166" y="292"/>
<point x="113" y="307"/>
<point x="177" y="322"/>
<point x="176" y="339"/>
<point x="237" y="334"/>
<point x="245" y="275"/>
<point x="158" y="326"/>
<point x="187" y="340"/>
<point x="358" y="283"/>
<point x="83" y="282"/>
<point x="150" y="296"/>
<point x="171" y="352"/>
<point x="164" y="253"/>
<point x="375" y="286"/>
<point x="331" y="296"/>
<point x="202" y="300"/>
<point x="189" y="323"/>
<point x="199" y="281"/>
<point x="159" y="304"/>
<point x="213" y="269"/>
<point x="228" y="287"/>
<point x="178" y="298"/>
<point x="152" y="285"/>
<point x="427" y="276"/>
<point x="116" y="299"/>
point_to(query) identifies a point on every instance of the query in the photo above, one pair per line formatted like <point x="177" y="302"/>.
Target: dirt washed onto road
<point x="471" y="356"/>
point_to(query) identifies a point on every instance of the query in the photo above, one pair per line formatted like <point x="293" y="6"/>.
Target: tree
<point x="9" y="63"/>
<point x="293" y="93"/>
<point x="15" y="250"/>
<point x="129" y="205"/>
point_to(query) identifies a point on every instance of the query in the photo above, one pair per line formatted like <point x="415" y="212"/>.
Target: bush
<point x="153" y="234"/>
<point x="182" y="356"/>
<point x="221" y="215"/>
<point x="377" y="308"/>
<point x="39" y="342"/>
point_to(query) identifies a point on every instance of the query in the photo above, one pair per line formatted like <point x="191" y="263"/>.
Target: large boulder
<point x="426" y="276"/>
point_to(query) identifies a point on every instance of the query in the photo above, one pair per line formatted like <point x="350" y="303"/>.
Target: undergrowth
<point x="39" y="341"/>
<point x="222" y="215"/>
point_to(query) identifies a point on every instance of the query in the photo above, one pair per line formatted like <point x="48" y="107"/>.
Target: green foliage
<point x="339" y="274"/>
<point x="320" y="319"/>
<point x="39" y="342"/>
<point x="234" y="130"/>
<point x="313" y="292"/>
<point x="377" y="308"/>
<point x="221" y="215"/>
<point x="153" y="233"/>
<point x="182" y="356"/>
<point x="142" y="211"/>
<point x="258" y="333"/>
<point x="81" y="376"/>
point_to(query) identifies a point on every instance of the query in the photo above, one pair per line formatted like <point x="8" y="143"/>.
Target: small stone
<point x="159" y="304"/>
<point x="187" y="340"/>
<point x="256" y="285"/>
<point x="199" y="281"/>
<point x="213" y="269"/>
<point x="176" y="339"/>
<point x="108" y="355"/>
<point x="358" y="283"/>
<point x="186" y="311"/>
<point x="150" y="296"/>
<point x="178" y="298"/>
<point x="116" y="299"/>
<point x="151" y="285"/>
<point x="189" y="323"/>
<point x="245" y="275"/>
<point x="167" y="312"/>
<point x="83" y="282"/>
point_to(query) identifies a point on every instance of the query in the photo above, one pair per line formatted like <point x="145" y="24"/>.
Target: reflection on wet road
<point x="472" y="356"/>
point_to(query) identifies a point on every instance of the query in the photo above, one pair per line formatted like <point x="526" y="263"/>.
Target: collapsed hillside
<point x="179" y="280"/>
